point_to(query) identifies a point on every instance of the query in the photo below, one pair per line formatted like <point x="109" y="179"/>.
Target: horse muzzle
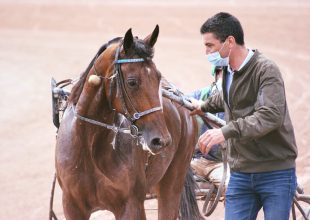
<point x="156" y="144"/>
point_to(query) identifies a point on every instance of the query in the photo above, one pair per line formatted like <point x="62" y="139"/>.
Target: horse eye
<point x="132" y="83"/>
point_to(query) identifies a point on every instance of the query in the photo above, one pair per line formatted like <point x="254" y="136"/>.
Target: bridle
<point x="120" y="84"/>
<point x="124" y="94"/>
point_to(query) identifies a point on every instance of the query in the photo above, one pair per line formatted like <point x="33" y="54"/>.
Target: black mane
<point x="141" y="50"/>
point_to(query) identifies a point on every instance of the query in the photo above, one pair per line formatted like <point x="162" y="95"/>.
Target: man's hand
<point x="210" y="138"/>
<point x="197" y="105"/>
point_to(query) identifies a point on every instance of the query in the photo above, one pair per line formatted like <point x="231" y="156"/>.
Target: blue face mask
<point x="216" y="59"/>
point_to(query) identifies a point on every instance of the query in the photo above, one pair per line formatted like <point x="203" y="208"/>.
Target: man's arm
<point x="213" y="104"/>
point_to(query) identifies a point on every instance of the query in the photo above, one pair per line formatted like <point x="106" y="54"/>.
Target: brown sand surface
<point x="41" y="39"/>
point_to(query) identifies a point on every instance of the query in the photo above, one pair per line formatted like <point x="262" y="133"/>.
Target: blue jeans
<point x="247" y="193"/>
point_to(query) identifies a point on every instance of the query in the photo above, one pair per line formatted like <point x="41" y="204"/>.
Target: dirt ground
<point x="44" y="38"/>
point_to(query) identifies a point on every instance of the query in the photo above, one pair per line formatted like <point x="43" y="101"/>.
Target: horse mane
<point x="141" y="50"/>
<point x="78" y="87"/>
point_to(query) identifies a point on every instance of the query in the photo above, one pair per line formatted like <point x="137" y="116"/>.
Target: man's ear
<point x="231" y="41"/>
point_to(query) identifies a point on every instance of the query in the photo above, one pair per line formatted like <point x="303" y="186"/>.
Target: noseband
<point x="117" y="73"/>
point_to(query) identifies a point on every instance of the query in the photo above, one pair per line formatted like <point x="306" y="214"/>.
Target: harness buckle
<point x="134" y="131"/>
<point x="136" y="116"/>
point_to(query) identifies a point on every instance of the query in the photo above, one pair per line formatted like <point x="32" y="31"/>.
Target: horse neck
<point x="100" y="141"/>
<point x="94" y="104"/>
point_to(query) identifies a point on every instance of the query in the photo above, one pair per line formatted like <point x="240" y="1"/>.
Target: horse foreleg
<point x="74" y="211"/>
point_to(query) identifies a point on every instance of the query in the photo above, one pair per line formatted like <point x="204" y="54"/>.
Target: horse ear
<point x="128" y="41"/>
<point x="152" y="38"/>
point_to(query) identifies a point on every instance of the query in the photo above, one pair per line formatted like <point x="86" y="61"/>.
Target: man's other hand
<point x="209" y="138"/>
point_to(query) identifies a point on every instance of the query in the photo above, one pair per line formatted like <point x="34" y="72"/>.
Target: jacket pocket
<point x="268" y="150"/>
<point x="233" y="154"/>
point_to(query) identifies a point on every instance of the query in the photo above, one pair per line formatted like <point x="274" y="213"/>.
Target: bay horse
<point x="119" y="138"/>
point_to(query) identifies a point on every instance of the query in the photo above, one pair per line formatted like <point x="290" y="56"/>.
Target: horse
<point x="120" y="139"/>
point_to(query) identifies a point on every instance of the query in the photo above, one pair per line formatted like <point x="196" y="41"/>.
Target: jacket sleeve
<point x="269" y="108"/>
<point x="214" y="103"/>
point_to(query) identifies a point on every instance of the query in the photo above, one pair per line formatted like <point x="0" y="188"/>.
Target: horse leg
<point x="73" y="211"/>
<point x="169" y="192"/>
<point x="133" y="210"/>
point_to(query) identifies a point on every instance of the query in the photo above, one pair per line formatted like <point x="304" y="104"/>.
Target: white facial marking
<point x="148" y="70"/>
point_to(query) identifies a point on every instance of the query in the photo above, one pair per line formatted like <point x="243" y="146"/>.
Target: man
<point x="259" y="133"/>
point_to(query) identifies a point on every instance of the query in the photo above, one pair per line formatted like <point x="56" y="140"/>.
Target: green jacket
<point x="259" y="133"/>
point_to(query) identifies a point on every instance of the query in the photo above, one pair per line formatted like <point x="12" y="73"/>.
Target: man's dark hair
<point x="223" y="25"/>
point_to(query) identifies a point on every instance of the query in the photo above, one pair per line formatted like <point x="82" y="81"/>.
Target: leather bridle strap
<point x="138" y="115"/>
<point x="120" y="80"/>
<point x="132" y="130"/>
<point x="108" y="126"/>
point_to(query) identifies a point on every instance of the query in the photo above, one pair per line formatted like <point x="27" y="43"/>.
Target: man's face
<point x="212" y="44"/>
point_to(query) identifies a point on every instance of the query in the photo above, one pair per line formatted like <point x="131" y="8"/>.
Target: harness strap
<point x="119" y="61"/>
<point x="101" y="124"/>
<point x="138" y="115"/>
<point x="122" y="91"/>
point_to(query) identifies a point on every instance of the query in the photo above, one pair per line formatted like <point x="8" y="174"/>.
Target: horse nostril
<point x="160" y="142"/>
<point x="156" y="142"/>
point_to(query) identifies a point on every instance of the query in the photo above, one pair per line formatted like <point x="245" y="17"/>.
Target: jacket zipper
<point x="230" y="111"/>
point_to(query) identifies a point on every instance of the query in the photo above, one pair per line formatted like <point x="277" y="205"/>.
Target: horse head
<point x="132" y="86"/>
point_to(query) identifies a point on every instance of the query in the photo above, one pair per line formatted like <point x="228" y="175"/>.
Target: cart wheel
<point x="305" y="212"/>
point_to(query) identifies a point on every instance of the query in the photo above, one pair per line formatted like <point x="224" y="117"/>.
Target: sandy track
<point x="41" y="39"/>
